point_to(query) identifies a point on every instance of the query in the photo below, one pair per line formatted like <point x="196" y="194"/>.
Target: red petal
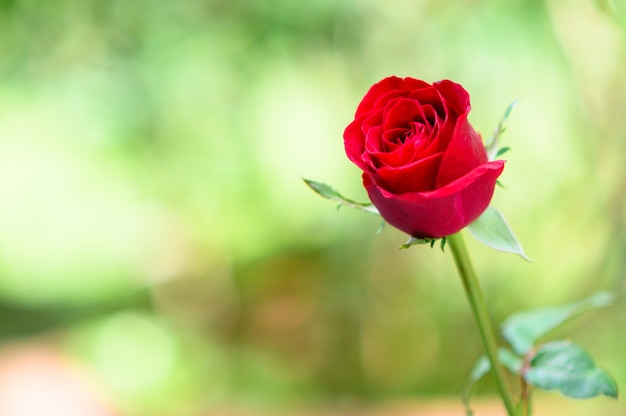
<point x="354" y="143"/>
<point x="416" y="177"/>
<point x="464" y="153"/>
<point x="387" y="85"/>
<point x="441" y="212"/>
<point x="454" y="96"/>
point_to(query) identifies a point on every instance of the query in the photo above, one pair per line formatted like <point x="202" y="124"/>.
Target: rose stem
<point x="525" y="405"/>
<point x="479" y="308"/>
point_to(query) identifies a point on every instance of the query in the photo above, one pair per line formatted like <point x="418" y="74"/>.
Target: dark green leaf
<point x="492" y="230"/>
<point x="522" y="330"/>
<point x="329" y="192"/>
<point x="567" y="368"/>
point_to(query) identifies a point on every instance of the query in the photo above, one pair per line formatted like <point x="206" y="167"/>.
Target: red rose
<point x="424" y="166"/>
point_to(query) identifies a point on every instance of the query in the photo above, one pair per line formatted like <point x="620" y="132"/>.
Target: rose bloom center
<point x="417" y="131"/>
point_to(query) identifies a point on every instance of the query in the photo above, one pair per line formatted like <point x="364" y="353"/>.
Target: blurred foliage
<point x="153" y="216"/>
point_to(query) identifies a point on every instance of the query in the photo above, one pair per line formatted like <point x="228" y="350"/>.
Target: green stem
<point x="479" y="308"/>
<point x="525" y="405"/>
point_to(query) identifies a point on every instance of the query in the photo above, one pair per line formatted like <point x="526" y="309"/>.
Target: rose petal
<point x="405" y="154"/>
<point x="464" y="153"/>
<point x="372" y="119"/>
<point x="430" y="97"/>
<point x="454" y="96"/>
<point x="402" y="113"/>
<point x="374" y="140"/>
<point x="390" y="84"/>
<point x="354" y="143"/>
<point x="416" y="177"/>
<point x="441" y="212"/>
<point x="392" y="138"/>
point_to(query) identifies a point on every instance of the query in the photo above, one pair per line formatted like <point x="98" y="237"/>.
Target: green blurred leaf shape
<point x="507" y="358"/>
<point x="510" y="361"/>
<point x="522" y="330"/>
<point x="492" y="230"/>
<point x="329" y="192"/>
<point x="567" y="368"/>
<point x="481" y="368"/>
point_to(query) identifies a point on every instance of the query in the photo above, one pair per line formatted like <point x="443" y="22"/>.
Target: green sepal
<point x="567" y="368"/>
<point x="492" y="230"/>
<point x="417" y="241"/>
<point x="329" y="192"/>
<point x="523" y="330"/>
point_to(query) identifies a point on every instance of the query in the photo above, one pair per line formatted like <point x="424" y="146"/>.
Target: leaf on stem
<point x="510" y="361"/>
<point x="481" y="368"/>
<point x="329" y="192"/>
<point x="522" y="330"/>
<point x="507" y="358"/>
<point x="567" y="368"/>
<point x="492" y="230"/>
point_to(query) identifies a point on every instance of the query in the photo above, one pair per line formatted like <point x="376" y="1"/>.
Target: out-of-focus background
<point x="160" y="255"/>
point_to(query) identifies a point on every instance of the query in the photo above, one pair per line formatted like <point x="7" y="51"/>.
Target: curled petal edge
<point x="438" y="213"/>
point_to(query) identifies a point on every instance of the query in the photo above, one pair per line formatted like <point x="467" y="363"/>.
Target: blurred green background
<point x="154" y="228"/>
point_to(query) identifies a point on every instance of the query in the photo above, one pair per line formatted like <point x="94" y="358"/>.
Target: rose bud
<point x="424" y="166"/>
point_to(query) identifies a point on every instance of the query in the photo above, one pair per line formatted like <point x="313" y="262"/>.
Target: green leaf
<point x="512" y="362"/>
<point x="329" y="192"/>
<point x="567" y="368"/>
<point x="481" y="368"/>
<point x="522" y="330"/>
<point x="492" y="230"/>
<point x="502" y="151"/>
<point x="507" y="358"/>
<point x="492" y="143"/>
